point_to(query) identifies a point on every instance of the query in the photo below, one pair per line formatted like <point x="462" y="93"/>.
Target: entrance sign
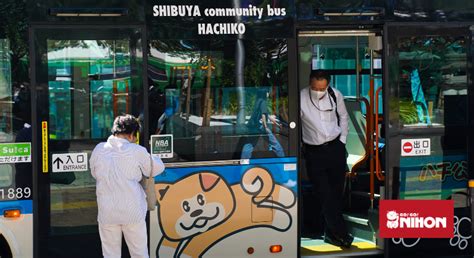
<point x="69" y="162"/>
<point x="416" y="147"/>
<point x="162" y="145"/>
<point x="15" y="152"/>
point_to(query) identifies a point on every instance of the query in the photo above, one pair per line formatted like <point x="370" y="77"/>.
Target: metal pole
<point x="372" y="128"/>
<point x="371" y="63"/>
<point x="115" y="54"/>
<point x="239" y="71"/>
<point x="357" y="68"/>
<point x="471" y="203"/>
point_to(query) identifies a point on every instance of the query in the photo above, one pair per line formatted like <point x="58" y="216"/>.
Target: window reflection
<point x="6" y="103"/>
<point x="432" y="81"/>
<point x="89" y="84"/>
<point x="6" y="175"/>
<point x="194" y="95"/>
<point x="15" y="111"/>
<point x="338" y="55"/>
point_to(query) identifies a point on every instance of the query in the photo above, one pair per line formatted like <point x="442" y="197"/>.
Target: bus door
<point x="353" y="58"/>
<point x="83" y="78"/>
<point x="222" y="117"/>
<point x="427" y="127"/>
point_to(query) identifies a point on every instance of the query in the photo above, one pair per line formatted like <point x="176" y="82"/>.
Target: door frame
<point x="392" y="177"/>
<point x="36" y="124"/>
<point x="376" y="28"/>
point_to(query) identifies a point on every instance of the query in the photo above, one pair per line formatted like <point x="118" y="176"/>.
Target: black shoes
<point x="345" y="241"/>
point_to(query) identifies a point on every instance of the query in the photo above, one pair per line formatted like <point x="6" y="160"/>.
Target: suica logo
<point x="413" y="220"/>
<point x="416" y="219"/>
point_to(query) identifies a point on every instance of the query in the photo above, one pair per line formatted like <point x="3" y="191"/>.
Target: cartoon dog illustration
<point x="392" y="219"/>
<point x="201" y="209"/>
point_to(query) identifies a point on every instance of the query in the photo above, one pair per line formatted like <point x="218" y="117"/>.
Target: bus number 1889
<point x="15" y="193"/>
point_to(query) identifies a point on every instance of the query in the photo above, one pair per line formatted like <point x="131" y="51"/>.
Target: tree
<point x="15" y="27"/>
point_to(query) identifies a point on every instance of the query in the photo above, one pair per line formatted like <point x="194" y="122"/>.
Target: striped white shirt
<point x="118" y="166"/>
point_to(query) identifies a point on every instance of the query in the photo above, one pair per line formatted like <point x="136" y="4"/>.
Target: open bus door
<point x="82" y="78"/>
<point x="470" y="150"/>
<point x="429" y="81"/>
<point x="353" y="58"/>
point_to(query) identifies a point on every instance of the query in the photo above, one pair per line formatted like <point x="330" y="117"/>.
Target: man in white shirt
<point x="325" y="127"/>
<point x="118" y="166"/>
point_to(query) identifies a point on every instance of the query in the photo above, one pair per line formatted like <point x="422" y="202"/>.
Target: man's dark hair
<point x="319" y="75"/>
<point x="126" y="124"/>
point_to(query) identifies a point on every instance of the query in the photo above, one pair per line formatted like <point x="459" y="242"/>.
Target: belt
<point x="324" y="144"/>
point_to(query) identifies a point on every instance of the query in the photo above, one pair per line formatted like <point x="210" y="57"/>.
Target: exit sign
<point x="416" y="147"/>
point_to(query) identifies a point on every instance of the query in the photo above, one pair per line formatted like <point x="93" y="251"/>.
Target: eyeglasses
<point x="326" y="110"/>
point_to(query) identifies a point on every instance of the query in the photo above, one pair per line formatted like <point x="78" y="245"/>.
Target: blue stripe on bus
<point x="273" y="160"/>
<point x="25" y="206"/>
<point x="233" y="173"/>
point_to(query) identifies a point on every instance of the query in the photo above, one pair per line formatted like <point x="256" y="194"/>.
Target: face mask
<point x="320" y="94"/>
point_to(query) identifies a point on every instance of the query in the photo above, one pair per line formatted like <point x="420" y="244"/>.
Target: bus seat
<point x="356" y="138"/>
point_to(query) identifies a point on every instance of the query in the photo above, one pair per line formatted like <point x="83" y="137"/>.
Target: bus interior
<point x="354" y="60"/>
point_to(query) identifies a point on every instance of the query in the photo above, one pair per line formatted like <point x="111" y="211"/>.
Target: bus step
<point x="359" y="226"/>
<point x="360" y="200"/>
<point x="375" y="253"/>
<point x="362" y="182"/>
<point x="365" y="194"/>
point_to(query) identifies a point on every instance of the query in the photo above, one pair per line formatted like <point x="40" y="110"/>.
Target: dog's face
<point x="392" y="215"/>
<point x="193" y="205"/>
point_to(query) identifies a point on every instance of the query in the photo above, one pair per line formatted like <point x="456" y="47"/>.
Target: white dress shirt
<point x="319" y="125"/>
<point x="118" y="166"/>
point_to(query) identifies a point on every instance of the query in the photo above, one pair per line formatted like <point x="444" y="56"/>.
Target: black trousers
<point x="326" y="168"/>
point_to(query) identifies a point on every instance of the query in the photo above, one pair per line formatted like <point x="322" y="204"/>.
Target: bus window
<point x="15" y="133"/>
<point x="89" y="84"/>
<point x="6" y="126"/>
<point x="339" y="55"/>
<point x="432" y="81"/>
<point x="84" y="78"/>
<point x="429" y="109"/>
<point x="215" y="108"/>
<point x="6" y="175"/>
<point x="14" y="121"/>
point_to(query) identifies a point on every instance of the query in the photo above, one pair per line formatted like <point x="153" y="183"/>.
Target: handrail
<point x="367" y="143"/>
<point x="378" y="172"/>
<point x="370" y="113"/>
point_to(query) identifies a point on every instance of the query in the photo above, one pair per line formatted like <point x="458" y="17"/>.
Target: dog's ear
<point x="208" y="181"/>
<point x="160" y="190"/>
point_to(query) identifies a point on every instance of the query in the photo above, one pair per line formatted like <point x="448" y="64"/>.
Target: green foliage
<point x="13" y="18"/>
<point x="408" y="112"/>
<point x="232" y="107"/>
